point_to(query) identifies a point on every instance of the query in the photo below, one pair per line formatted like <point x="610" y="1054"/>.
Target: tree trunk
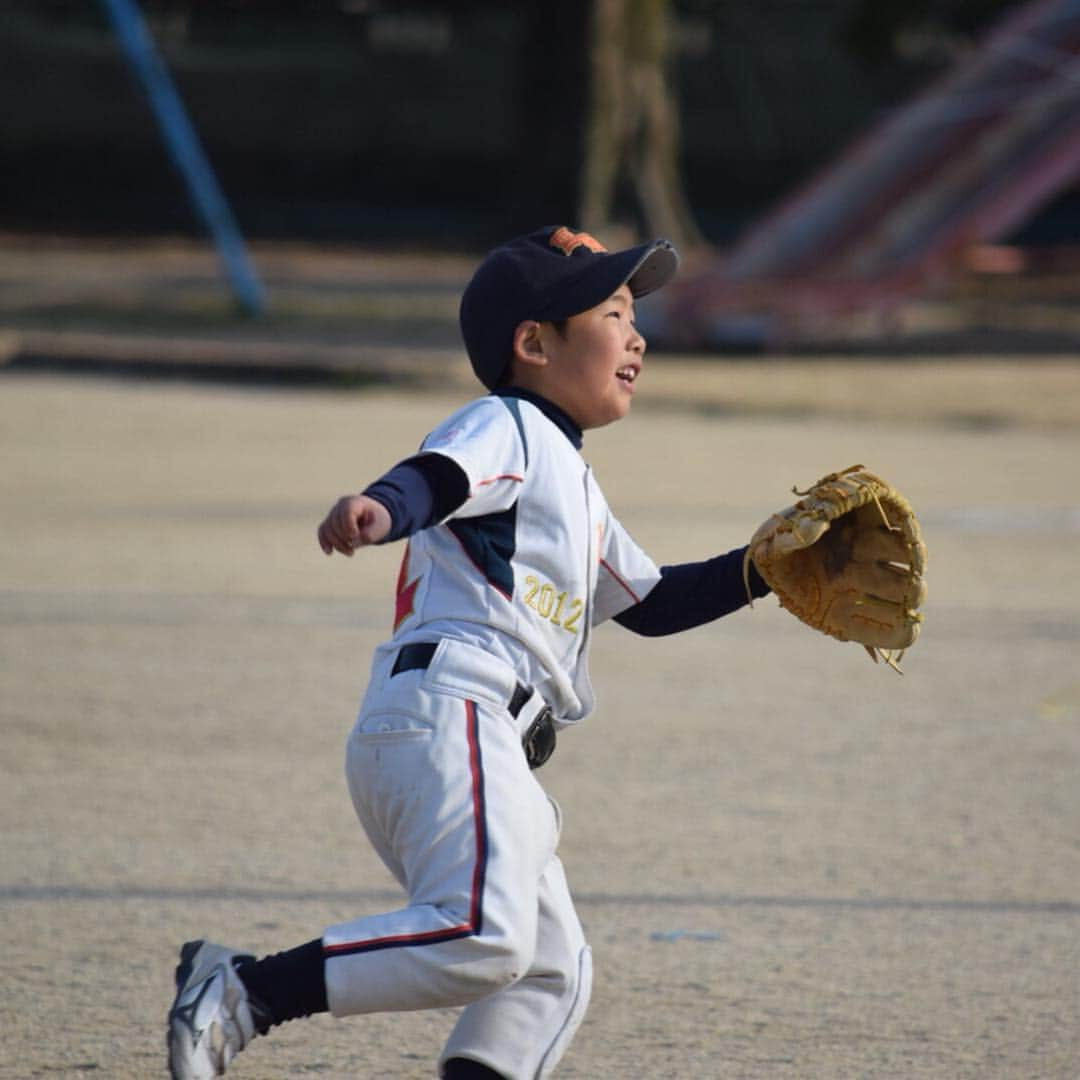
<point x="631" y="156"/>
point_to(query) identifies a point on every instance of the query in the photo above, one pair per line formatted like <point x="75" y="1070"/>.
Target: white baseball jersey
<point x="530" y="562"/>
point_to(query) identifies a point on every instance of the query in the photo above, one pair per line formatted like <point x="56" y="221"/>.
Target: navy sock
<point x="286" y="985"/>
<point x="464" y="1069"/>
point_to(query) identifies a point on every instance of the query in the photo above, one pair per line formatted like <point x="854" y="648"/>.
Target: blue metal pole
<point x="186" y="152"/>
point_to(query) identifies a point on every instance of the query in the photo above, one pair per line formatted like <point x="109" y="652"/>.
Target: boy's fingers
<point x="351" y="520"/>
<point x="346" y="527"/>
<point x="330" y="538"/>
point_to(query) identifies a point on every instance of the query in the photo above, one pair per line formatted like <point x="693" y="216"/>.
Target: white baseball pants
<point x="441" y="786"/>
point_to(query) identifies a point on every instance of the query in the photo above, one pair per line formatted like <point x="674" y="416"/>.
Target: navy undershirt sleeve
<point x="419" y="492"/>
<point x="690" y="594"/>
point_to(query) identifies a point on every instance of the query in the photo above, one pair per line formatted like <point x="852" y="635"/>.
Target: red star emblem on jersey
<point x="406" y="593"/>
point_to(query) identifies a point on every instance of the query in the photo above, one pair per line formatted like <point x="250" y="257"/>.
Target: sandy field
<point x="790" y="863"/>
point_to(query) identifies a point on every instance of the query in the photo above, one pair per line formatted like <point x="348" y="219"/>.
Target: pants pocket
<point x="390" y="727"/>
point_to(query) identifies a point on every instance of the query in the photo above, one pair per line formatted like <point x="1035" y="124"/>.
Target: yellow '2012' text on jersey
<point x="552" y="604"/>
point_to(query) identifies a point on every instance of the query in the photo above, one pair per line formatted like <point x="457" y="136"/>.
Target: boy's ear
<point x="528" y="345"/>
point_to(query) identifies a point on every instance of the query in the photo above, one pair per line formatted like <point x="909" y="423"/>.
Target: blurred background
<point x="840" y="174"/>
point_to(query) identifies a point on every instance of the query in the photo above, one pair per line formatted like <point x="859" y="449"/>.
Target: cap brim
<point x="643" y="268"/>
<point x="655" y="267"/>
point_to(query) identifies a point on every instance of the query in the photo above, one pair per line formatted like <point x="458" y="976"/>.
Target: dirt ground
<point x="790" y="863"/>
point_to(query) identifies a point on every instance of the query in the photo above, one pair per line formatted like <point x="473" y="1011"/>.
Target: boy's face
<point x="593" y="364"/>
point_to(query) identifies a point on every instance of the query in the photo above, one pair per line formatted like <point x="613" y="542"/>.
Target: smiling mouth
<point x="627" y="374"/>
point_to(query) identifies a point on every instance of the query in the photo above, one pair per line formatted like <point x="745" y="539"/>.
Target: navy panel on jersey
<point x="490" y="542"/>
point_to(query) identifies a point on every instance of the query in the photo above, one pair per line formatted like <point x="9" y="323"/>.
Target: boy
<point x="513" y="558"/>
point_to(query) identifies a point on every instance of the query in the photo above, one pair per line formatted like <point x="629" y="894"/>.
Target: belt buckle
<point x="539" y="739"/>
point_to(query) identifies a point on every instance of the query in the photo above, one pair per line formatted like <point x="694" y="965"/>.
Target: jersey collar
<point x="552" y="411"/>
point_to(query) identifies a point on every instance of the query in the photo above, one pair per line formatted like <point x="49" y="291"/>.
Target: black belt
<point x="538" y="741"/>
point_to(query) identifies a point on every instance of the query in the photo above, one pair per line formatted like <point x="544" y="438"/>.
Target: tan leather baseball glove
<point x="848" y="559"/>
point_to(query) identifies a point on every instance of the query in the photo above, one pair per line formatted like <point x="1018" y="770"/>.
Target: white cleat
<point x="211" y="1019"/>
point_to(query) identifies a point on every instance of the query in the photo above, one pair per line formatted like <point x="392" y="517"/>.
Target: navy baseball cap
<point x="552" y="273"/>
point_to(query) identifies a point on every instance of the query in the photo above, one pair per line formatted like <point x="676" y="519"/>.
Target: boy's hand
<point x="353" y="521"/>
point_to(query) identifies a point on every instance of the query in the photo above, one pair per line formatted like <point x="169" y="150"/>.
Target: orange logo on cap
<point x="568" y="241"/>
